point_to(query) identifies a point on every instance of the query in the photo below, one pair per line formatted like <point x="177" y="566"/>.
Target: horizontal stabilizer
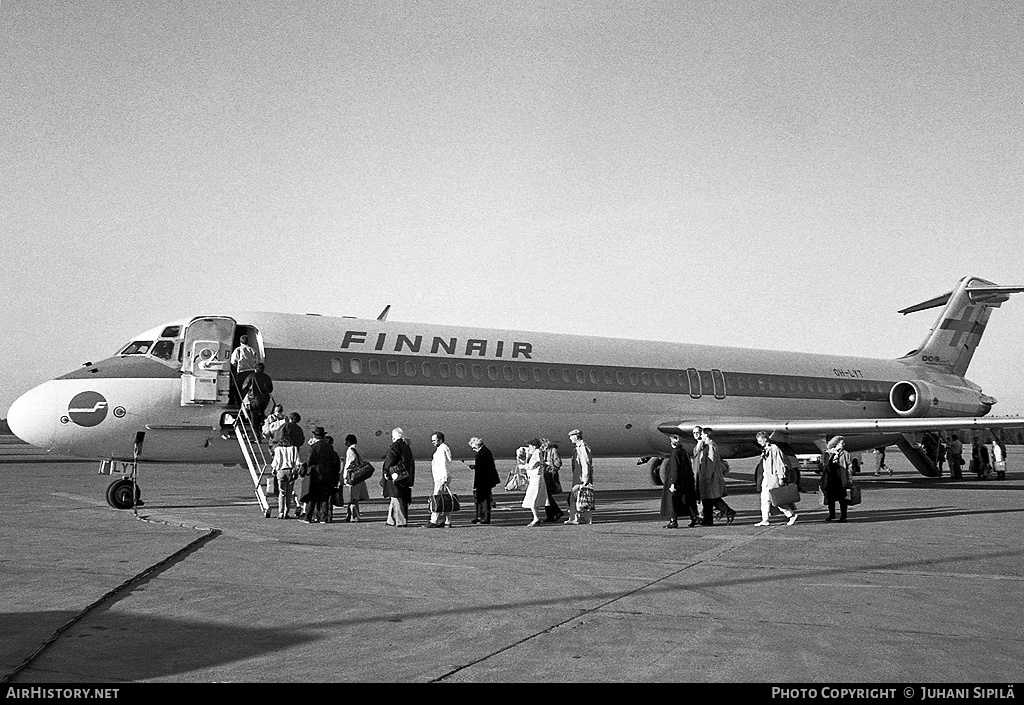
<point x="925" y="305"/>
<point x="992" y="295"/>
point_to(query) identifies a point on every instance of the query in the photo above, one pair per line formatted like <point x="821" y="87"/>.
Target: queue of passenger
<point x="312" y="478"/>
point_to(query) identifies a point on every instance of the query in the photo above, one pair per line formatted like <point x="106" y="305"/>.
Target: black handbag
<point x="853" y="495"/>
<point x="444" y="502"/>
<point x="400" y="470"/>
<point x="786" y="494"/>
<point x="360" y="473"/>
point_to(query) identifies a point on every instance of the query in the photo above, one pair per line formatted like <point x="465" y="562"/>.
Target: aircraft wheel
<point x="119" y="494"/>
<point x="654" y="469"/>
<point x="266" y="514"/>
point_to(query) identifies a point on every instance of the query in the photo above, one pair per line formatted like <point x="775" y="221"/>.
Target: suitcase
<point x="786" y="494"/>
<point x="853" y="495"/>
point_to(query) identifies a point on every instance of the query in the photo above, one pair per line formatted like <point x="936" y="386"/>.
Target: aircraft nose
<point x="33" y="417"/>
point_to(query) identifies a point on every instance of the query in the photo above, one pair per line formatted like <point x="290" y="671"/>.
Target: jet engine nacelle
<point x="916" y="398"/>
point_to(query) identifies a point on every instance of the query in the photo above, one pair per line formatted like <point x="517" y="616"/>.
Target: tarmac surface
<point x="924" y="584"/>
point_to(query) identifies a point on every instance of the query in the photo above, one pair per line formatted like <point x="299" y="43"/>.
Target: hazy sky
<point x="762" y="174"/>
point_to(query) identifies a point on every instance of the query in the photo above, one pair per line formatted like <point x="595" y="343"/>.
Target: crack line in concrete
<point x="114" y="595"/>
<point x="699" y="559"/>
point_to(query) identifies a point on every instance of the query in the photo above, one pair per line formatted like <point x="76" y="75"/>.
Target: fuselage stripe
<point x="291" y="365"/>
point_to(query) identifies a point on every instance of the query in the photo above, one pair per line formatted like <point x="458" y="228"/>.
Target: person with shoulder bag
<point x="399" y="478"/>
<point x="353" y="492"/>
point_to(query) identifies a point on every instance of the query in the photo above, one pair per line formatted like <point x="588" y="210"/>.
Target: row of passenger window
<point x="694" y="382"/>
<point x="801" y="386"/>
<point x="687" y="382"/>
<point x="509" y="373"/>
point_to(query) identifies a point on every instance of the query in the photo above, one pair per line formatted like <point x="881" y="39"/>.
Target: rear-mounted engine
<point x="916" y="398"/>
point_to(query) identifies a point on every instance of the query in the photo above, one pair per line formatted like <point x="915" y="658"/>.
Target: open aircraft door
<point x="206" y="368"/>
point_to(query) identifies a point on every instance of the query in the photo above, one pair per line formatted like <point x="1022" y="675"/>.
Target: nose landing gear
<point x="123" y="494"/>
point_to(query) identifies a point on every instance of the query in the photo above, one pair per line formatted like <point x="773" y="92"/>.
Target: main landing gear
<point x="653" y="469"/>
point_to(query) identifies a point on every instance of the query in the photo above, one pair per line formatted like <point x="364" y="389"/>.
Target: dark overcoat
<point x="835" y="475"/>
<point x="321" y="468"/>
<point x="485" y="474"/>
<point x="678" y="471"/>
<point x="399" y="452"/>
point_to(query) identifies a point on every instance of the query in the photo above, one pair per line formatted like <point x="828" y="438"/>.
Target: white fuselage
<point x="367" y="377"/>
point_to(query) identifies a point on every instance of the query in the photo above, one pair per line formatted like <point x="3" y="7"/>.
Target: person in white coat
<point x="536" y="491"/>
<point x="440" y="467"/>
<point x="773" y="465"/>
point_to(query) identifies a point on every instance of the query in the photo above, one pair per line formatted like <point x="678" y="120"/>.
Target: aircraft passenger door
<point x="205" y="365"/>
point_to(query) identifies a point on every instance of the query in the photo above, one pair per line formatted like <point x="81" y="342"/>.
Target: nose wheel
<point x="123" y="494"/>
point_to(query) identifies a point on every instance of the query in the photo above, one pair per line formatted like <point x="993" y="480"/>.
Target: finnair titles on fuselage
<point x="356" y="340"/>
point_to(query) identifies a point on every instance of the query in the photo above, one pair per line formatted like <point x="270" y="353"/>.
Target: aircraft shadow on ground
<point x="138" y="647"/>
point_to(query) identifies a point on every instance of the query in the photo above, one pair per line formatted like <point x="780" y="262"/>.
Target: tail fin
<point x="951" y="343"/>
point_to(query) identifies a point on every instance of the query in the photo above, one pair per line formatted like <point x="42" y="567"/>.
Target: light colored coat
<point x="536" y="492"/>
<point x="773" y="464"/>
<point x="245" y="358"/>
<point x="710" y="472"/>
<point x="358" y="491"/>
<point x="582" y="465"/>
<point x="440" y="466"/>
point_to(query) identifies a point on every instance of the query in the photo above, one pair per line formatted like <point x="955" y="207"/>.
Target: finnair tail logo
<point x="87" y="408"/>
<point x="967" y="326"/>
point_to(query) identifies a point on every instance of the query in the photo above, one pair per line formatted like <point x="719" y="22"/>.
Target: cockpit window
<point x="138" y="347"/>
<point x="163" y="349"/>
<point x="170" y="332"/>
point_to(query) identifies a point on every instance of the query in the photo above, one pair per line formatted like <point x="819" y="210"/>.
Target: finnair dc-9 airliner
<point x="164" y="397"/>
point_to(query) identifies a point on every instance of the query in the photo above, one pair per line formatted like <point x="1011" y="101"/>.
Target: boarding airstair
<point x="255" y="459"/>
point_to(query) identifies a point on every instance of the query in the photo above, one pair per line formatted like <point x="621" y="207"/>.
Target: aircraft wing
<point x="817" y="428"/>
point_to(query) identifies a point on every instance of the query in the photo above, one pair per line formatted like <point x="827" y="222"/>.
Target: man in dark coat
<point x="485" y="477"/>
<point x="399" y="475"/>
<point x="679" y="493"/>
<point x="256" y="391"/>
<point x="321" y="466"/>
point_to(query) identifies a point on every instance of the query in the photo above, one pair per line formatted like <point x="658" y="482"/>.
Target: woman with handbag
<point x="836" y="477"/>
<point x="773" y="476"/>
<point x="352" y="494"/>
<point x="552" y="483"/>
<point x="536" y="491"/>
